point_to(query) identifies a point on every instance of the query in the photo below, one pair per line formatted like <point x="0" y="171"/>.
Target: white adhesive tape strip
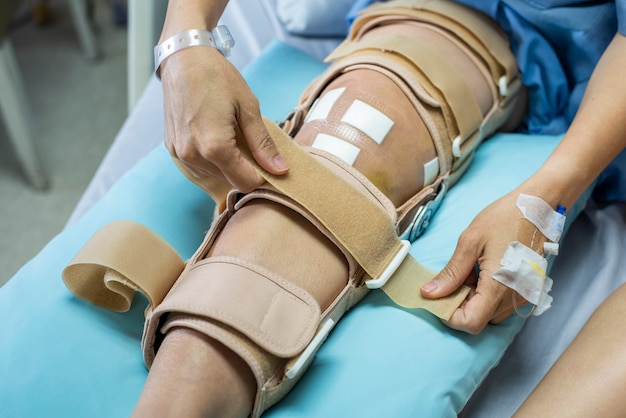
<point x="338" y="147"/>
<point x="524" y="271"/>
<point x="541" y="214"/>
<point x="368" y="120"/>
<point x="322" y="106"/>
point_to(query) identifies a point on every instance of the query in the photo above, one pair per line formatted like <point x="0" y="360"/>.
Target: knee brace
<point x="460" y="84"/>
<point x="455" y="82"/>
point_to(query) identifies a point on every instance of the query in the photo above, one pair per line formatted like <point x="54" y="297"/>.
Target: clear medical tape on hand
<point x="524" y="270"/>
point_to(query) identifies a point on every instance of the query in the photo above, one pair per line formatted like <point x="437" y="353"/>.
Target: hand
<point x="481" y="247"/>
<point x="207" y="105"/>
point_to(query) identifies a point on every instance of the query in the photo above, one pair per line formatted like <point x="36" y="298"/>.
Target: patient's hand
<point x="207" y="102"/>
<point x="482" y="244"/>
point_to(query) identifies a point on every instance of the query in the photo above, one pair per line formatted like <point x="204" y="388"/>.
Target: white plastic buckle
<point x="219" y="38"/>
<point x="311" y="349"/>
<point x="456" y="146"/>
<point x="503" y="86"/>
<point x="391" y="268"/>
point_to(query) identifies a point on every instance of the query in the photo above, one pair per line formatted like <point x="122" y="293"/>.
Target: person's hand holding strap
<point x="208" y="105"/>
<point x="476" y="258"/>
<point x="207" y="102"/>
<point x="595" y="137"/>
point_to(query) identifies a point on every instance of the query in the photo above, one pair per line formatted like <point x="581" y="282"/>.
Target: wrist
<point x="219" y="38"/>
<point x="556" y="187"/>
<point x="187" y="14"/>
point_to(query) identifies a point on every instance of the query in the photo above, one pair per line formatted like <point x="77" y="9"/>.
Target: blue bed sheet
<point x="62" y="357"/>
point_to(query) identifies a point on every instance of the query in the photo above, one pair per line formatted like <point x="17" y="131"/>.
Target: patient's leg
<point x="590" y="376"/>
<point x="212" y="357"/>
<point x="193" y="374"/>
<point x="208" y="376"/>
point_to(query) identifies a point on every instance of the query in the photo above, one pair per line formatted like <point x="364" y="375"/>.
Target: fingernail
<point x="431" y="286"/>
<point x="280" y="163"/>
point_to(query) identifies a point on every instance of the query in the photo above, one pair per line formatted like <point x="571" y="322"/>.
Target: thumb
<point x="454" y="274"/>
<point x="262" y="146"/>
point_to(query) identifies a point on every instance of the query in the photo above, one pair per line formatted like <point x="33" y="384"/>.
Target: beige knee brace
<point x="378" y="138"/>
<point x="457" y="76"/>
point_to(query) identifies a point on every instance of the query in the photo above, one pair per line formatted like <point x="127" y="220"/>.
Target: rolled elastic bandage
<point x="523" y="269"/>
<point x="219" y="38"/>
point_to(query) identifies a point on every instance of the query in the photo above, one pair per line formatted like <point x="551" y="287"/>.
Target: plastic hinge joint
<point x="423" y="216"/>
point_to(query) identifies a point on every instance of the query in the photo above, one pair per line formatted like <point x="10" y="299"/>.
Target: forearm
<point x="191" y="14"/>
<point x="596" y="136"/>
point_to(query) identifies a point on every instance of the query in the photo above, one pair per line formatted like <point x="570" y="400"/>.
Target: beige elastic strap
<point x="361" y="226"/>
<point x="274" y="313"/>
<point x="448" y="80"/>
<point x="404" y="290"/>
<point x="475" y="28"/>
<point x="121" y="258"/>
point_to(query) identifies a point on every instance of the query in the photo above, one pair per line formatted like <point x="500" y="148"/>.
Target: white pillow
<point x="314" y="18"/>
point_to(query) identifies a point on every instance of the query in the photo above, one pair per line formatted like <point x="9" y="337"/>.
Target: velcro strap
<point x="404" y="290"/>
<point x="274" y="313"/>
<point x="370" y="237"/>
<point x="121" y="258"/>
<point x="446" y="79"/>
<point x="216" y="188"/>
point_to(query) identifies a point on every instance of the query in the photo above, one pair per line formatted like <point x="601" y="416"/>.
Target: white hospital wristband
<point x="219" y="38"/>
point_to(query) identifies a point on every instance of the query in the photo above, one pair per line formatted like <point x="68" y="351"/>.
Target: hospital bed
<point x="60" y="356"/>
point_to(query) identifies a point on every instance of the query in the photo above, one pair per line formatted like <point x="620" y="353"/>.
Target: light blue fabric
<point x="62" y="357"/>
<point x="314" y="18"/>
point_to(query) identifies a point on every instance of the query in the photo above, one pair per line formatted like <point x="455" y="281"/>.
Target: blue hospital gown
<point x="557" y="44"/>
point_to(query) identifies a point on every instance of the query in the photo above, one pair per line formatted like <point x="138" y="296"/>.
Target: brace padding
<point x="265" y="319"/>
<point x="278" y="316"/>
<point x="472" y="27"/>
